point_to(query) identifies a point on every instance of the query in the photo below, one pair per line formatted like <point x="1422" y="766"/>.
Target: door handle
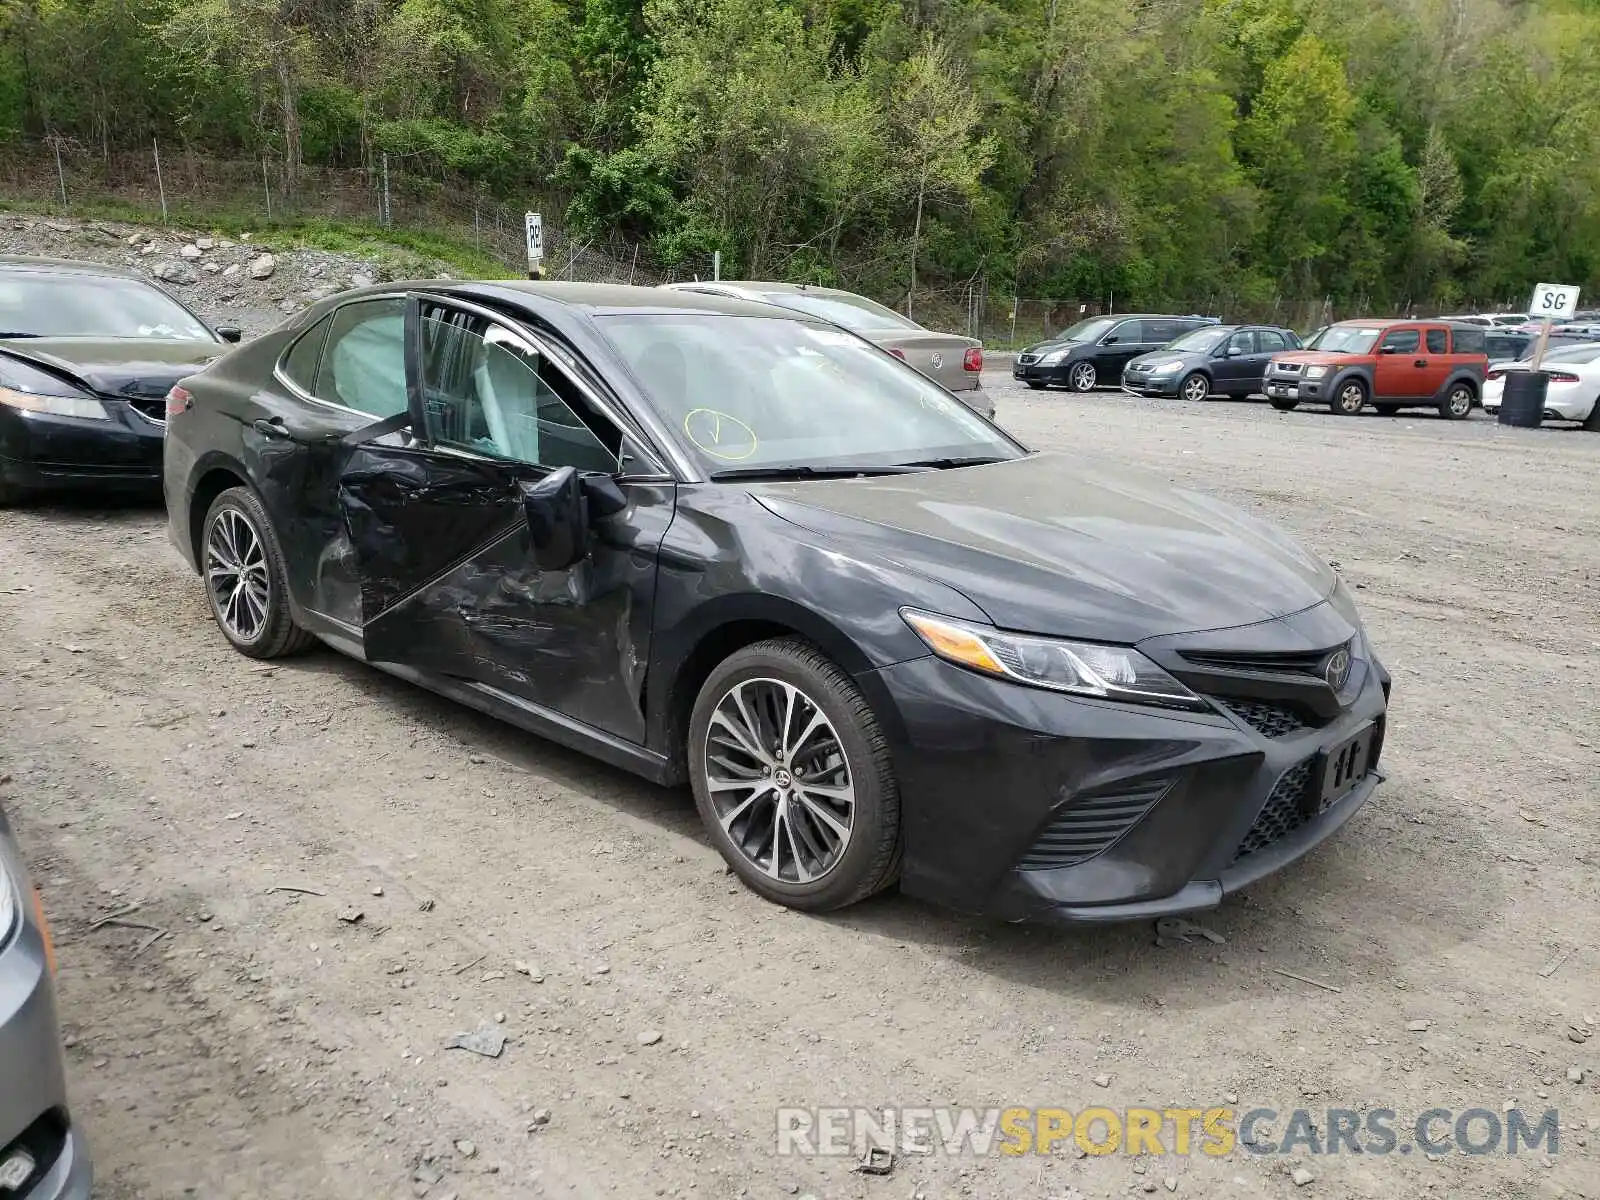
<point x="1421" y="362"/>
<point x="272" y="427"/>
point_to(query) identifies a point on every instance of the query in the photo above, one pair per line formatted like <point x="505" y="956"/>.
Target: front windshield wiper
<point x="944" y="464"/>
<point x="803" y="471"/>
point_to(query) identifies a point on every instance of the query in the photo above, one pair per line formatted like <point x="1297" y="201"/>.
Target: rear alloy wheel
<point x="1195" y="386"/>
<point x="1350" y="399"/>
<point x="245" y="578"/>
<point x="1083" y="377"/>
<point x="792" y="777"/>
<point x="1458" y="404"/>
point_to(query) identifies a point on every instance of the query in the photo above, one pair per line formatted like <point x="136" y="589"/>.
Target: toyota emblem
<point x="1337" y="669"/>
<point x="937" y="360"/>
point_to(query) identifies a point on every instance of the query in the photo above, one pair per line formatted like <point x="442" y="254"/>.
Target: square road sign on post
<point x="535" y="229"/>
<point x="1554" y="302"/>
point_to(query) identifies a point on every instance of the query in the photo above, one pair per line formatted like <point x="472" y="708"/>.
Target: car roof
<point x="64" y="266"/>
<point x="603" y="298"/>
<point x="764" y="285"/>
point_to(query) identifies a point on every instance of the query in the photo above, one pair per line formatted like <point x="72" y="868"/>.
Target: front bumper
<point x="46" y="452"/>
<point x="1007" y="786"/>
<point x="33" y="1094"/>
<point x="1139" y="384"/>
<point x="1038" y="372"/>
<point x="1296" y="387"/>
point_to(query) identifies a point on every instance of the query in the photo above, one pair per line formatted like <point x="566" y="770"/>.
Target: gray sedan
<point x="950" y="359"/>
<point x="42" y="1154"/>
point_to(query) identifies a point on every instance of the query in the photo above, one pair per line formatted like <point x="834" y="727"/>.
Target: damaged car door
<point x="455" y="593"/>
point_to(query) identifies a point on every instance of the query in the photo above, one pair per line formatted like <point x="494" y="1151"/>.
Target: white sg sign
<point x="535" y="237"/>
<point x="1557" y="301"/>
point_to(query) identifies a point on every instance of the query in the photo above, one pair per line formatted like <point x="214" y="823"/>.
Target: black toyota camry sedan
<point x="715" y="541"/>
<point x="87" y="354"/>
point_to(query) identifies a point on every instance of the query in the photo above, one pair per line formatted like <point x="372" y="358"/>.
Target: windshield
<point x="1207" y="339"/>
<point x="751" y="392"/>
<point x="1345" y="339"/>
<point x="1085" y="331"/>
<point x="36" y="304"/>
<point x="853" y="312"/>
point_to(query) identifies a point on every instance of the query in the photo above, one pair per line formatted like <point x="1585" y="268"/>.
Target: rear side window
<point x="1271" y="341"/>
<point x="1128" y="332"/>
<point x="364" y="363"/>
<point x="1469" y="341"/>
<point x="1244" y="342"/>
<point x="1401" y="341"/>
<point x="1438" y="341"/>
<point x="300" y="364"/>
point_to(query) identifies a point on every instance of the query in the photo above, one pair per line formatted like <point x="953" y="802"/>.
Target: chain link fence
<point x="399" y="193"/>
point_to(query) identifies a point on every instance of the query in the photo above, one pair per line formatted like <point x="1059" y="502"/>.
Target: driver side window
<point x="485" y="391"/>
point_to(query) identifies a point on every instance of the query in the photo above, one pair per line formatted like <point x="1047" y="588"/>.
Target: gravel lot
<point x="271" y="1049"/>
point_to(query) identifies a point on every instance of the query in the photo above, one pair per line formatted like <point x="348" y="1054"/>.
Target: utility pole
<point x="156" y="144"/>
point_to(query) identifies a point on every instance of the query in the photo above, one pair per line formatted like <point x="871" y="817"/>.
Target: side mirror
<point x="554" y="510"/>
<point x="557" y="509"/>
<point x="1388" y="349"/>
<point x="230" y="333"/>
<point x="1110" y="339"/>
<point x="1234" y="351"/>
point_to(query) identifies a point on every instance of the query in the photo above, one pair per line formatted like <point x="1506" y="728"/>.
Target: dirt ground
<point x="271" y="1049"/>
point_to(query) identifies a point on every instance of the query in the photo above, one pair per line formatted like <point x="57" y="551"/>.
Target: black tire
<point x="1591" y="423"/>
<point x="1195" y="386"/>
<point x="276" y="635"/>
<point x="1350" y="399"/>
<point x="1285" y="405"/>
<point x="1083" y="377"/>
<point x="1035" y="385"/>
<point x="9" y="495"/>
<point x="870" y="858"/>
<point x="1458" y="402"/>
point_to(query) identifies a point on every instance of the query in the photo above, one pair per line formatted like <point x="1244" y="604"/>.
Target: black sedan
<point x="1093" y="352"/>
<point x="716" y="541"/>
<point x="1217" y="360"/>
<point x="87" y="354"/>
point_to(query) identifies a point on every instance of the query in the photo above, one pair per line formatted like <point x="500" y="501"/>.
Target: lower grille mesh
<point x="1281" y="815"/>
<point x="1091" y="825"/>
<point x="1269" y="720"/>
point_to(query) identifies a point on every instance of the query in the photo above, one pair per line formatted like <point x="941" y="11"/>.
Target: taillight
<point x="972" y="360"/>
<point x="1562" y="377"/>
<point x="898" y="353"/>
<point x="179" y="400"/>
<point x="1494" y="375"/>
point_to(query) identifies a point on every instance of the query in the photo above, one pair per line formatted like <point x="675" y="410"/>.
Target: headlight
<point x="33" y="390"/>
<point x="1166" y="368"/>
<point x="1316" y="372"/>
<point x="10" y="904"/>
<point x="1084" y="668"/>
<point x="1055" y="356"/>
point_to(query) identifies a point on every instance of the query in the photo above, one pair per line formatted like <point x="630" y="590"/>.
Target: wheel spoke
<point x="819" y="811"/>
<point x="738" y="810"/>
<point x="802" y="873"/>
<point x="741" y="738"/>
<point x="818" y="721"/>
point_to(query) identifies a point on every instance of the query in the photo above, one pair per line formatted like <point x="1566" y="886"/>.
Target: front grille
<point x="1025" y="359"/>
<point x="1306" y="662"/>
<point x="1269" y="720"/>
<point x="1091" y="825"/>
<point x="150" y="410"/>
<point x="1282" y="814"/>
<point x="1288" y="368"/>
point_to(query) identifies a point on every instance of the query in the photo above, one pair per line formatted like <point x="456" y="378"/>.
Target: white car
<point x="1574" y="387"/>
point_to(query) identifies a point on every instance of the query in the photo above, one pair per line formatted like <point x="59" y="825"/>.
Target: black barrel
<point x="1522" y="402"/>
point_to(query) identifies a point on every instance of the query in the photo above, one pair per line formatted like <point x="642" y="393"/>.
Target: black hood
<point x="1055" y="344"/>
<point x="1062" y="545"/>
<point x="125" y="368"/>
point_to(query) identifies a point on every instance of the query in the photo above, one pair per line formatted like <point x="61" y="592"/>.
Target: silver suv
<point x="42" y="1155"/>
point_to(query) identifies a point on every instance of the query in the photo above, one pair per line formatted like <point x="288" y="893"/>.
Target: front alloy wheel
<point x="791" y="775"/>
<point x="1458" y="404"/>
<point x="1196" y="387"/>
<point x="1352" y="398"/>
<point x="1083" y="377"/>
